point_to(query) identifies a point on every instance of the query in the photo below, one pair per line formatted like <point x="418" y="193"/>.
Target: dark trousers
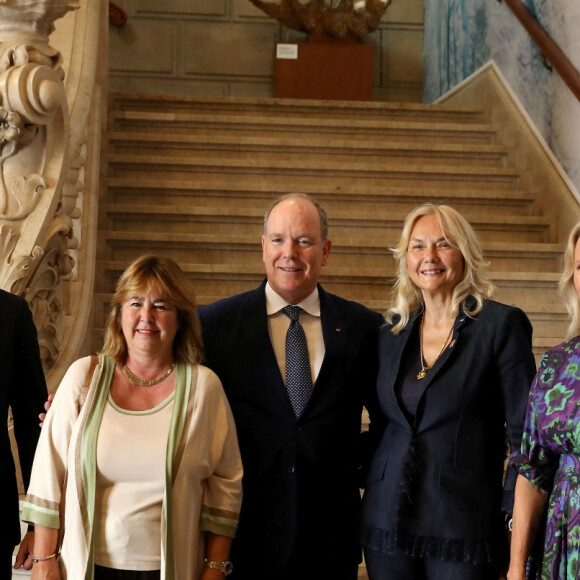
<point x="102" y="573"/>
<point x="383" y="566"/>
<point x="299" y="569"/>
<point x="6" y="562"/>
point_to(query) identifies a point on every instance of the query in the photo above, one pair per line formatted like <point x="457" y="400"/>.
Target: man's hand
<point x="24" y="556"/>
<point x="42" y="416"/>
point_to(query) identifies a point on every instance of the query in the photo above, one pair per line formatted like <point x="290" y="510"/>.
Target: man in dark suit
<point x="302" y="467"/>
<point x="23" y="389"/>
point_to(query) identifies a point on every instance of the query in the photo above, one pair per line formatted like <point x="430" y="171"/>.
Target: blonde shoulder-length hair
<point x="457" y="232"/>
<point x="567" y="288"/>
<point x="162" y="275"/>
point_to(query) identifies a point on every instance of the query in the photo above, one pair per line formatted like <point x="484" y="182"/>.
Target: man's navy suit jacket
<point x="301" y="477"/>
<point x="22" y="387"/>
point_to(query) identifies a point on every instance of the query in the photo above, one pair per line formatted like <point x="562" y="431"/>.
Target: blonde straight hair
<point x="567" y="288"/>
<point x="460" y="235"/>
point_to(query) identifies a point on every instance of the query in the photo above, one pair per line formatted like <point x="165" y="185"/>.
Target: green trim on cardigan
<point x="183" y="383"/>
<point x="89" y="449"/>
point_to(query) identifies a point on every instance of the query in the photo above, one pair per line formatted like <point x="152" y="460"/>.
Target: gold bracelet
<point x="36" y="560"/>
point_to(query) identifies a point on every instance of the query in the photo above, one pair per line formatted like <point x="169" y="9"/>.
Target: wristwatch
<point x="223" y="567"/>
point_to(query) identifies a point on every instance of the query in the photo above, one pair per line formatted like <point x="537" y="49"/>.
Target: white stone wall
<point x="227" y="48"/>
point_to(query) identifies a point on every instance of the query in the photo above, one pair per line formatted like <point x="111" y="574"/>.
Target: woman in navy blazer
<point x="455" y="369"/>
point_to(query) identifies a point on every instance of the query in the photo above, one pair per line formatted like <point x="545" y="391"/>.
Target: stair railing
<point x="550" y="50"/>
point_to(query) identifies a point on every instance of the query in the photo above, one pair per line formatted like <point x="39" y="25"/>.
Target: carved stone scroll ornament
<point x="44" y="291"/>
<point x="15" y="273"/>
<point x="35" y="236"/>
<point x="31" y="93"/>
<point x="337" y="18"/>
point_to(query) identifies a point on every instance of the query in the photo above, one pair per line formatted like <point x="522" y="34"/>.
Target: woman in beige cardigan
<point x="140" y="476"/>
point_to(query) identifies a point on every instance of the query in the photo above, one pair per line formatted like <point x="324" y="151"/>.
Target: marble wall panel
<point x="229" y="49"/>
<point x="241" y="89"/>
<point x="180" y="87"/>
<point x="245" y="9"/>
<point x="409" y="12"/>
<point x="143" y="46"/>
<point x="402" y="56"/>
<point x="189" y="7"/>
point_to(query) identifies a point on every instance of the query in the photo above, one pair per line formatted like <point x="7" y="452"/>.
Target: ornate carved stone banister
<point x="48" y="181"/>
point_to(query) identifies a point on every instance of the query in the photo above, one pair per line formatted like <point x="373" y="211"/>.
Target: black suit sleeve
<point x="371" y="439"/>
<point x="27" y="389"/>
<point x="516" y="369"/>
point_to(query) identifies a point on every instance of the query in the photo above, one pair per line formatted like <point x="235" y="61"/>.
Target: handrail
<point x="117" y="16"/>
<point x="551" y="51"/>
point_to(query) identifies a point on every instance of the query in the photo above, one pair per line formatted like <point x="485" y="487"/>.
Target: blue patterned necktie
<point x="298" y="374"/>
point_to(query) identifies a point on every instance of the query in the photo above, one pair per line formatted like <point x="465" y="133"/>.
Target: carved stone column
<point x="36" y="228"/>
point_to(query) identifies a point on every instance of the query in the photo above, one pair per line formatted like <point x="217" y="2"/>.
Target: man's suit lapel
<point x="335" y="335"/>
<point x="257" y="344"/>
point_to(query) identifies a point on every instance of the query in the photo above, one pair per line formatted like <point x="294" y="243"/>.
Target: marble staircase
<point x="191" y="178"/>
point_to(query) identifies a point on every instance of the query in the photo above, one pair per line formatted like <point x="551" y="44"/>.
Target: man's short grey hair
<point x="321" y="211"/>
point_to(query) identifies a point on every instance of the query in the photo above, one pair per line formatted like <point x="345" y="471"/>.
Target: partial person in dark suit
<point x="302" y="465"/>
<point x="23" y="389"/>
<point x="455" y="369"/>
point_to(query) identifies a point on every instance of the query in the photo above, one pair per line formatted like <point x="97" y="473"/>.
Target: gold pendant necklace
<point x="424" y="366"/>
<point x="142" y="382"/>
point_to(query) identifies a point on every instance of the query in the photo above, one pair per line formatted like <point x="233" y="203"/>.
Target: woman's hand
<point x="529" y="505"/>
<point x="218" y="550"/>
<point x="46" y="570"/>
<point x="45" y="544"/>
<point x="210" y="574"/>
<point x="47" y="406"/>
<point x="24" y="556"/>
<point x="513" y="575"/>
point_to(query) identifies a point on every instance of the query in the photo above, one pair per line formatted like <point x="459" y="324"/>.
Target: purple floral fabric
<point x="550" y="459"/>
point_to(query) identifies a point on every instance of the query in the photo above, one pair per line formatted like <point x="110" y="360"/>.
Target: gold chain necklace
<point x="143" y="383"/>
<point x="424" y="366"/>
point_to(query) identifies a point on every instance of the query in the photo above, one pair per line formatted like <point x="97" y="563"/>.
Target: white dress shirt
<point x="278" y="324"/>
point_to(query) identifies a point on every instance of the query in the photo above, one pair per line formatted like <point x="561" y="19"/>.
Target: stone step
<point x="212" y="166"/>
<point x="550" y="321"/>
<point x="380" y="223"/>
<point x="200" y="123"/>
<point x="358" y="196"/>
<point x="388" y="173"/>
<point x="296" y="108"/>
<point x="540" y="345"/>
<point x="311" y="146"/>
<point x="208" y="248"/>
<point x="359" y="284"/>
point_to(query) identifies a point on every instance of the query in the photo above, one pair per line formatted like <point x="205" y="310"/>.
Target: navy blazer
<point x="434" y="487"/>
<point x="301" y="477"/>
<point x="23" y="389"/>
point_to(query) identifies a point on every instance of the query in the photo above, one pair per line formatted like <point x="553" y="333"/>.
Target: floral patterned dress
<point x="550" y="459"/>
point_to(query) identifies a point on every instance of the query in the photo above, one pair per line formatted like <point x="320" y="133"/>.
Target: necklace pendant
<point x="421" y="374"/>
